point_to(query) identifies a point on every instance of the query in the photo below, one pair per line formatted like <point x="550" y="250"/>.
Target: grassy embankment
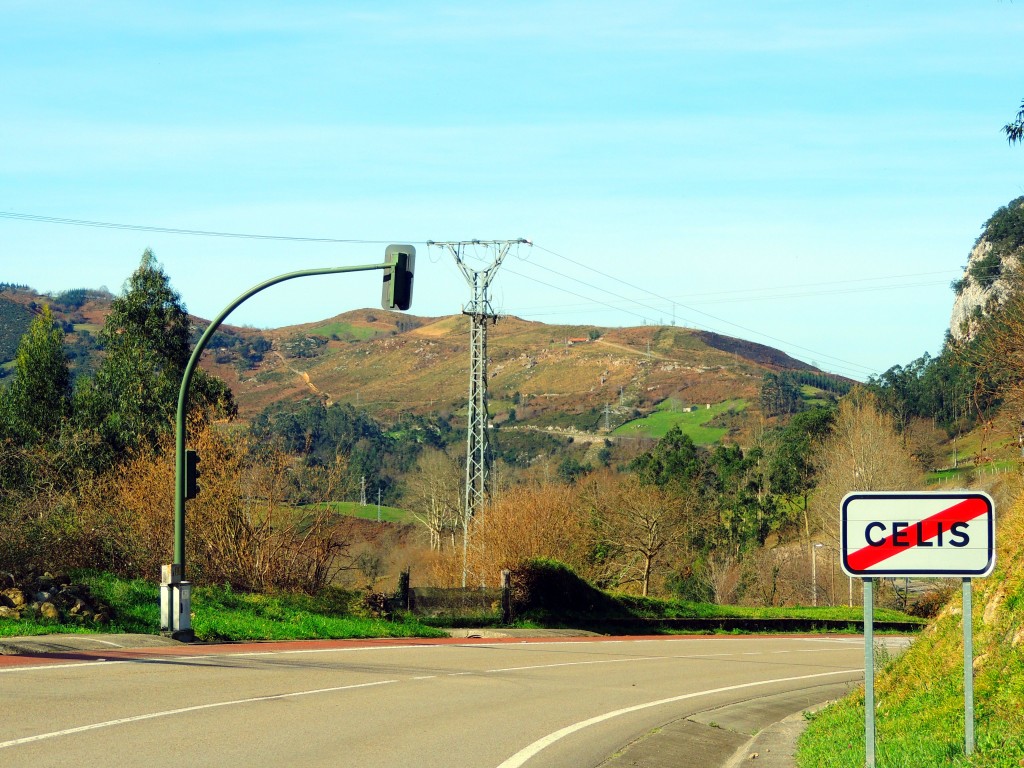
<point x="220" y="613"/>
<point x="919" y="696"/>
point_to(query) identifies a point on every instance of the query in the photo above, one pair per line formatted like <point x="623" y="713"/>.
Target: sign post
<point x="914" y="535"/>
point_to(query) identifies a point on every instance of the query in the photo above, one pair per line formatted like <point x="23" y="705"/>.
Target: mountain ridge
<point x="566" y="375"/>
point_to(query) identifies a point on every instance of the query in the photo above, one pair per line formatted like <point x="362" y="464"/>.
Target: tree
<point x="133" y="397"/>
<point x="863" y="452"/>
<point x="34" y="406"/>
<point x="1015" y="130"/>
<point x="434" y="496"/>
<point x="639" y="525"/>
<point x="675" y="460"/>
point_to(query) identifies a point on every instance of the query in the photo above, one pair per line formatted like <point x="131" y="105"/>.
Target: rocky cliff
<point x="992" y="271"/>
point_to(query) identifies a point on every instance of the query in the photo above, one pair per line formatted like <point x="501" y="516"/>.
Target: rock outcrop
<point x="992" y="271"/>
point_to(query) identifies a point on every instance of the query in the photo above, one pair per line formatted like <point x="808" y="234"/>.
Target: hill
<point x="560" y="378"/>
<point x="573" y="379"/>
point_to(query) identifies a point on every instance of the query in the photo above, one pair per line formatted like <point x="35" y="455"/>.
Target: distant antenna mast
<point x="480" y="311"/>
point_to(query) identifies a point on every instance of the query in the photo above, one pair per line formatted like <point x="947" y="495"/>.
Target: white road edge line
<point x="521" y="757"/>
<point x="181" y="711"/>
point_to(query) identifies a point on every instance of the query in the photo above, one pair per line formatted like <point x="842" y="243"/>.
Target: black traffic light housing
<point x="191" y="474"/>
<point x="396" y="292"/>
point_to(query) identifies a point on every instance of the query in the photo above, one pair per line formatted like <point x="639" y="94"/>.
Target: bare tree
<point x="434" y="496"/>
<point x="774" y="576"/>
<point x="721" y="575"/>
<point x="639" y="526"/>
<point x="863" y="453"/>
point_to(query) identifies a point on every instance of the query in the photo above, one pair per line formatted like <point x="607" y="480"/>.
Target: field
<point x="345" y="331"/>
<point x="369" y="511"/>
<point x="670" y="413"/>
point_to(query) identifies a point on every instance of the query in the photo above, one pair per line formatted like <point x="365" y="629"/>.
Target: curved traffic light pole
<point x="175" y="606"/>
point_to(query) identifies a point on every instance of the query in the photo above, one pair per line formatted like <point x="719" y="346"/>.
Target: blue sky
<point x="803" y="174"/>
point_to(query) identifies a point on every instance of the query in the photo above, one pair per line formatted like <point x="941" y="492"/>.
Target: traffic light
<point x="191" y="474"/>
<point x="396" y="293"/>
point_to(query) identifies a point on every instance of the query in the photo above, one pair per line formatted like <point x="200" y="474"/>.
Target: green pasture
<point x="367" y="512"/>
<point x="670" y="413"/>
<point x="344" y="331"/>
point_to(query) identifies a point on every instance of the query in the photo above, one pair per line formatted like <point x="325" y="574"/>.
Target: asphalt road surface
<point x="392" y="704"/>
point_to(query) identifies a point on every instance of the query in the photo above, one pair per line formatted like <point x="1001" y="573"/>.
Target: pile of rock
<point x="50" y="597"/>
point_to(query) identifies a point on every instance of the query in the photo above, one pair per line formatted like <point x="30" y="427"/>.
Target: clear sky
<point x="810" y="175"/>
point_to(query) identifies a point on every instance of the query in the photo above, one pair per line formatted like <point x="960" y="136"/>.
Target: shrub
<point x="549" y="588"/>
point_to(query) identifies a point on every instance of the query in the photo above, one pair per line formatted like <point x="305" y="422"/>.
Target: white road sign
<point x="917" y="534"/>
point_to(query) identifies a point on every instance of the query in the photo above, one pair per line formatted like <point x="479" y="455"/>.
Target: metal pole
<point x="814" y="576"/>
<point x="869" y="675"/>
<point x="186" y="380"/>
<point x="968" y="618"/>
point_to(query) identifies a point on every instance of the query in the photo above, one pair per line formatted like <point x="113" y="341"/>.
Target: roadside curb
<point x="27" y="645"/>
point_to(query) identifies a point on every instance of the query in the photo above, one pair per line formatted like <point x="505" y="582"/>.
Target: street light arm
<point x="186" y="380"/>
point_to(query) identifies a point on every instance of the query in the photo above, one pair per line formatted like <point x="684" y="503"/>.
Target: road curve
<point x="390" y="704"/>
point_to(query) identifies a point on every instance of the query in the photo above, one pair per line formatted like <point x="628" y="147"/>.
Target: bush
<point x="548" y="588"/>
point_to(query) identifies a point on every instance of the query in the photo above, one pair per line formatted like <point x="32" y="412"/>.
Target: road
<point x="391" y="704"/>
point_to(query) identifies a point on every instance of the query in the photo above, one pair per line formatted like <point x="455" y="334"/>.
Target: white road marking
<point x="521" y="757"/>
<point x="182" y="711"/>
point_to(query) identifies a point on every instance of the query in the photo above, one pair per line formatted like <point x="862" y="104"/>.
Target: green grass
<point x="368" y="512"/>
<point x="345" y="331"/>
<point x="652" y="608"/>
<point x="222" y="614"/>
<point x="968" y="474"/>
<point x="668" y="414"/>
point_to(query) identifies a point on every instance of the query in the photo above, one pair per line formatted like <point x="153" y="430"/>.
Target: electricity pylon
<point x="479" y="310"/>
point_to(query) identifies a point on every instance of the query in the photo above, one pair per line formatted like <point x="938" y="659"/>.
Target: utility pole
<point x="607" y="417"/>
<point x="362" y="491"/>
<point x="480" y="312"/>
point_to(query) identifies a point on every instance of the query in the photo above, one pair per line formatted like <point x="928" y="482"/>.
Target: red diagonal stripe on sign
<point x="966" y="510"/>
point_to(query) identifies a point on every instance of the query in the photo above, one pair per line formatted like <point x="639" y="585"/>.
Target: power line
<point x="191" y="232"/>
<point x="817" y="353"/>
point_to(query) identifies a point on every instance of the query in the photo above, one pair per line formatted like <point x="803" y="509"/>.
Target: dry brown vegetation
<point x="242" y="529"/>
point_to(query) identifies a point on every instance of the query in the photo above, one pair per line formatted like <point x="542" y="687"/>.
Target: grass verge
<point x="222" y="614"/>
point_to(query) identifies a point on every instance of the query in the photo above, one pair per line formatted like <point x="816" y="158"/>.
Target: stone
<point x="6" y="612"/>
<point x="16" y="596"/>
<point x="49" y="611"/>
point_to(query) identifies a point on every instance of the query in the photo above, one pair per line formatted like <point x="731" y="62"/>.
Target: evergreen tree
<point x="134" y="395"/>
<point x="35" y="404"/>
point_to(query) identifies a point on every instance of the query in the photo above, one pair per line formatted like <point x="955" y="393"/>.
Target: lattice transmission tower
<point x="480" y="312"/>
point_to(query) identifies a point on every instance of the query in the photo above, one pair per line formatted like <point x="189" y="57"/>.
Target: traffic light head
<point x="191" y="474"/>
<point x="396" y="292"/>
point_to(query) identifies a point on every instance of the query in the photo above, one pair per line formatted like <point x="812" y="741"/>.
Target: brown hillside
<point x="389" y="362"/>
<point x="422" y="364"/>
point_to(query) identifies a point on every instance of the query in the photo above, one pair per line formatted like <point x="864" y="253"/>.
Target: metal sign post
<point x="869" y="674"/>
<point x="968" y="619"/>
<point x="910" y="535"/>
